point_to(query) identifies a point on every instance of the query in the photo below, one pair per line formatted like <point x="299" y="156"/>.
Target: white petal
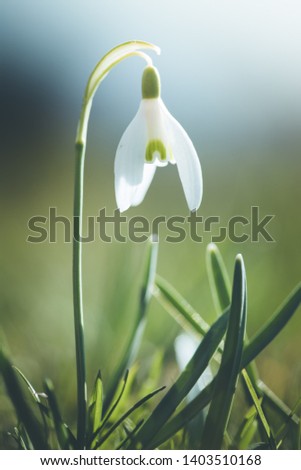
<point x="160" y="163"/>
<point x="185" y="347"/>
<point x="187" y="160"/>
<point x="155" y="117"/>
<point x="141" y="189"/>
<point x="129" y="162"/>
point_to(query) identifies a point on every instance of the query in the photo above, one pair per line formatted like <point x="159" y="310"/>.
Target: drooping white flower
<point x="154" y="138"/>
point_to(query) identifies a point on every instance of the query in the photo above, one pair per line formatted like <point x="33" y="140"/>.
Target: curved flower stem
<point x="77" y="294"/>
<point x="101" y="70"/>
<point x="80" y="153"/>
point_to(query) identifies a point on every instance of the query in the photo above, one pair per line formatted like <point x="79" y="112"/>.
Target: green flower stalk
<point x="115" y="56"/>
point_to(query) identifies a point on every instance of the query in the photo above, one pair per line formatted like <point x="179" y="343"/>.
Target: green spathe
<point x="150" y="83"/>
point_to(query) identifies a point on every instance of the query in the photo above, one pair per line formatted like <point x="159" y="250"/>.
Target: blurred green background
<point x="231" y="74"/>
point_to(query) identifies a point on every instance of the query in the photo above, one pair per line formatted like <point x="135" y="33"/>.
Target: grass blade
<point x="25" y="438"/>
<point x="262" y="338"/>
<point x="298" y="437"/>
<point x="36" y="396"/>
<point x="273" y="326"/>
<point x="30" y="387"/>
<point x="178" y="307"/>
<point x="218" y="278"/>
<point x="138" y="329"/>
<point x="221" y="293"/>
<point x="95" y="406"/>
<point x="24" y="412"/>
<point x="184" y="416"/>
<point x="246" y="430"/>
<point x="264" y="423"/>
<point x="126" y="415"/>
<point x="62" y="434"/>
<point x="277" y="404"/>
<point x="227" y="376"/>
<point x="18" y="438"/>
<point x="285" y="427"/>
<point x="115" y="404"/>
<point x="184" y="383"/>
<point x="130" y="434"/>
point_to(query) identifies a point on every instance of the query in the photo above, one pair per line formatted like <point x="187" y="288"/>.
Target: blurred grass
<point x="35" y="279"/>
<point x="35" y="296"/>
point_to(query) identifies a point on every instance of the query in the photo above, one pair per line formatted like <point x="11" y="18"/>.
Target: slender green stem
<point x="77" y="294"/>
<point x="101" y="70"/>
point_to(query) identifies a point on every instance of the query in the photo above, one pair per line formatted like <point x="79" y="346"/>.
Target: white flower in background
<point x="154" y="138"/>
<point x="185" y="347"/>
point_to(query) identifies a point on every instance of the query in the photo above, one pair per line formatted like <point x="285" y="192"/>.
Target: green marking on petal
<point x="150" y="83"/>
<point x="155" y="149"/>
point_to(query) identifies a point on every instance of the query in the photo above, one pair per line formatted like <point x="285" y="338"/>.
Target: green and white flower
<point x="154" y="138"/>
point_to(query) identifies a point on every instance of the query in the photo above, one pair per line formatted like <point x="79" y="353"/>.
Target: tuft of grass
<point x="118" y="419"/>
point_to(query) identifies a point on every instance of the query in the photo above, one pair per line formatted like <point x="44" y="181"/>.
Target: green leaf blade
<point x="221" y="292"/>
<point x="227" y="376"/>
<point x="126" y="415"/>
<point x="24" y="412"/>
<point x="265" y="425"/>
<point x="62" y="432"/>
<point x="95" y="405"/>
<point x="218" y="278"/>
<point x="179" y="308"/>
<point x="184" y="383"/>
<point x="273" y="326"/>
<point x="247" y="430"/>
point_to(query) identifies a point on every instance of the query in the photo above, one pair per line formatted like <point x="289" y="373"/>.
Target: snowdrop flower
<point x="153" y="139"/>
